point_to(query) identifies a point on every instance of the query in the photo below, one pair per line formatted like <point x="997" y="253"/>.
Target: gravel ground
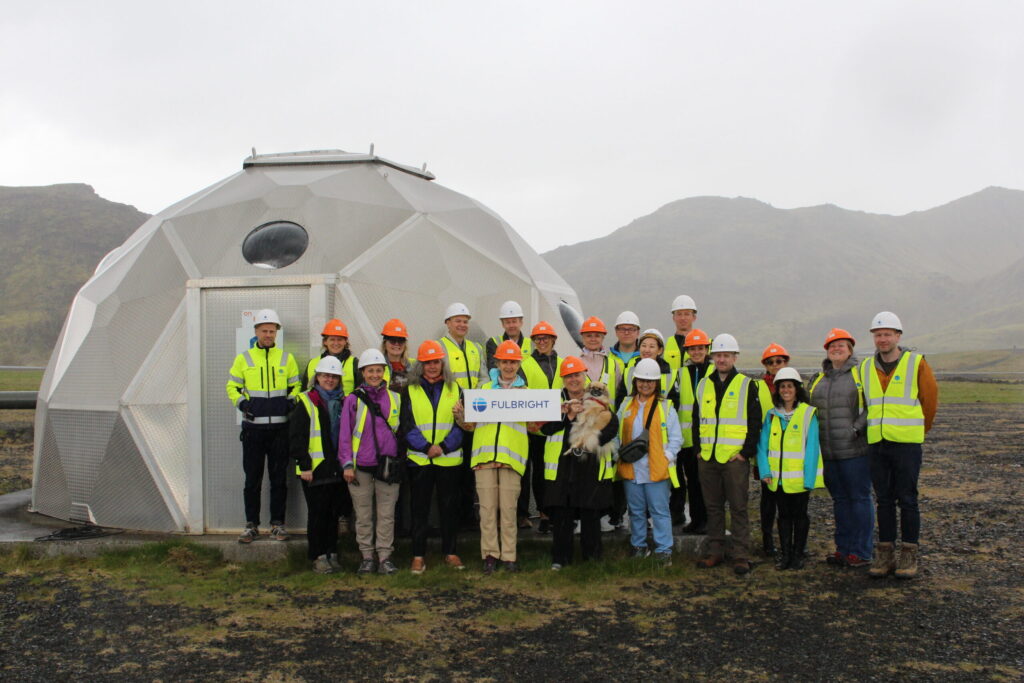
<point x="962" y="619"/>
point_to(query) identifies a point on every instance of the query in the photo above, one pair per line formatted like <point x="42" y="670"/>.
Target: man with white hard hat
<point x="510" y="315"/>
<point x="627" y="330"/>
<point x="684" y="313"/>
<point x="262" y="383"/>
<point x="901" y="397"/>
<point x="726" y="425"/>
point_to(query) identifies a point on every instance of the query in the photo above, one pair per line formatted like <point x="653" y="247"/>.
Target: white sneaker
<point x="606" y="526"/>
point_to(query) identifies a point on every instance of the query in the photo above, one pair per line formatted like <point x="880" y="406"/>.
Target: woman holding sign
<point x="498" y="458"/>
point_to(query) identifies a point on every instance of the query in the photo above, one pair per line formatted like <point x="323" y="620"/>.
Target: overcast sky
<point x="569" y="119"/>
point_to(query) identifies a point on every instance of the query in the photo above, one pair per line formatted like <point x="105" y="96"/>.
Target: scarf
<point x="332" y="399"/>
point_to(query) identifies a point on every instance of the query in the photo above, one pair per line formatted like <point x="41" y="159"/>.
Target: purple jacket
<point x="386" y="440"/>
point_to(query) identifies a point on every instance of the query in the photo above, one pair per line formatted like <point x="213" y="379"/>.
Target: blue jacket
<point x="813" y="448"/>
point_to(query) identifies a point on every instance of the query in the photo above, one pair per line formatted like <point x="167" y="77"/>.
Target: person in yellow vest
<point x="578" y="483"/>
<point x="367" y="446"/>
<point x="726" y="425"/>
<point x="789" y="463"/>
<point x="652" y="345"/>
<point x="334" y="342"/>
<point x="313" y="429"/>
<point x="434" y="444"/>
<point x="697" y="367"/>
<point x="627" y="330"/>
<point x="649" y="480"/>
<point x="901" y="397"/>
<point x="395" y="347"/>
<point x="510" y="315"/>
<point x="499" y="455"/>
<point x="262" y="383"/>
<point x="540" y="370"/>
<point x="773" y="358"/>
<point x="684" y="314"/>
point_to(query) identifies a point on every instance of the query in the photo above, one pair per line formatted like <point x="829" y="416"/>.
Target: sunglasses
<point x="394" y="340"/>
<point x="775" y="361"/>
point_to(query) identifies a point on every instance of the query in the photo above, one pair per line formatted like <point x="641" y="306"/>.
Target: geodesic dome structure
<point x="133" y="426"/>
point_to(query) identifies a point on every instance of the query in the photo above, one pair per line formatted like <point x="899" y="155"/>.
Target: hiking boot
<point x="387" y="567"/>
<point x="741" y="567"/>
<point x="852" y="560"/>
<point x="278" y="533"/>
<point x="837" y="559"/>
<point x="454" y="562"/>
<point x="366" y="566"/>
<point x="322" y="565"/>
<point x="640" y="552"/>
<point x="885" y="561"/>
<point x="664" y="559"/>
<point x="696" y="529"/>
<point x="419" y="565"/>
<point x="249" y="534"/>
<point x="906" y="566"/>
<point x="510" y="566"/>
<point x="333" y="559"/>
<point x="709" y="561"/>
<point x="490" y="563"/>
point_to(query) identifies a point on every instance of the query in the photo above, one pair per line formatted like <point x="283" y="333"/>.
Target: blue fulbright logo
<point x="479" y="404"/>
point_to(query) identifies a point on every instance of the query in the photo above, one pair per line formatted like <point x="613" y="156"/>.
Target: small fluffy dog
<point x="584" y="437"/>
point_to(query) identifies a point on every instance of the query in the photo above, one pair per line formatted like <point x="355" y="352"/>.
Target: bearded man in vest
<point x="901" y="397"/>
<point x="726" y="428"/>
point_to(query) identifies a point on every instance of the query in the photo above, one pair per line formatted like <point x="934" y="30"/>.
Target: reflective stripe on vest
<point x="787" y="450"/>
<point x="362" y="411"/>
<point x="686" y="399"/>
<point x="316" y="447"/>
<point x="895" y="414"/>
<point x="425" y="415"/>
<point x="723" y="434"/>
<point x="465" y="366"/>
<point x="501" y="442"/>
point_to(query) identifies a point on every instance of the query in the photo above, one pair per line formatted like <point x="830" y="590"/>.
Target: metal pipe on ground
<point x="18" y="400"/>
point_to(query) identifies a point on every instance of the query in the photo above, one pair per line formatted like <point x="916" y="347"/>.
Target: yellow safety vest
<point x="723" y="434"/>
<point x="787" y="450"/>
<point x="362" y="411"/>
<point x="664" y="387"/>
<point x="894" y="414"/>
<point x="673" y="355"/>
<point x="502" y="442"/>
<point x="387" y="369"/>
<point x="535" y="377"/>
<point x="526" y="347"/>
<point x="316" y="444"/>
<point x="465" y="365"/>
<point x="266" y="378"/>
<point x="348" y="373"/>
<point x="435" y="423"/>
<point x="764" y="396"/>
<point x="605" y="470"/>
<point x="626" y="427"/>
<point x="686" y="399"/>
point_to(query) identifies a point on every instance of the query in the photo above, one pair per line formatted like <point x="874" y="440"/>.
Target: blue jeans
<point x="849" y="483"/>
<point x="650" y="499"/>
<point x="894" y="471"/>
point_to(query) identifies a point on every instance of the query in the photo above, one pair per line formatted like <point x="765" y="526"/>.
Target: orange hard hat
<point x="774" y="350"/>
<point x="508" y="350"/>
<point x="697" y="338"/>
<point x="395" y="328"/>
<point x="335" y="328"/>
<point x="543" y="328"/>
<point x="430" y="350"/>
<point x="571" y="365"/>
<point x="593" y="324"/>
<point x="838" y="333"/>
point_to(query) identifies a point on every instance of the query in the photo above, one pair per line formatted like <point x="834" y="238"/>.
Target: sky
<point x="569" y="119"/>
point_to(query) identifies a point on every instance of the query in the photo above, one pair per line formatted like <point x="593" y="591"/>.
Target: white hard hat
<point x="886" y="320"/>
<point x="683" y="303"/>
<point x="329" y="365"/>
<point x="371" y="357"/>
<point x="647" y="368"/>
<point x="788" y="373"/>
<point x="456" y="309"/>
<point x="725" y="342"/>
<point x="509" y="309"/>
<point x="266" y="315"/>
<point x="628" y="318"/>
<point x="656" y="333"/>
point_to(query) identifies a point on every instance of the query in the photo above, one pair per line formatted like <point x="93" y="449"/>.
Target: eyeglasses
<point x="775" y="361"/>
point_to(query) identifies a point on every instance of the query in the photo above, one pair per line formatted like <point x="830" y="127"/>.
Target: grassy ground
<point x="981" y="392"/>
<point x="20" y="380"/>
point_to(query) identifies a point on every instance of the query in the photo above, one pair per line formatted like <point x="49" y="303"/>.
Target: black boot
<point x="800" y="529"/>
<point x="785" y="556"/>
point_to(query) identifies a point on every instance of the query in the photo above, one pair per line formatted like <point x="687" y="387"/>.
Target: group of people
<point x="680" y="428"/>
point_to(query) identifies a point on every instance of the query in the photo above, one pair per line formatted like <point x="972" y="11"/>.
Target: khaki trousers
<point x="498" y="491"/>
<point x="368" y="492"/>
<point x="723" y="483"/>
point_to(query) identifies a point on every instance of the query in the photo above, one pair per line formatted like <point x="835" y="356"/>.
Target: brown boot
<point x="906" y="566"/>
<point x="885" y="561"/>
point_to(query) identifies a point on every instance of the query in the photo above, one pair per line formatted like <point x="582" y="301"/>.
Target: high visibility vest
<point x="502" y="442"/>
<point x="348" y="373"/>
<point x="673" y="355"/>
<point x="855" y="372"/>
<point x="316" y="444"/>
<point x="526" y="347"/>
<point x="787" y="449"/>
<point x="362" y="411"/>
<point x="723" y="434"/>
<point x="610" y="374"/>
<point x="686" y="399"/>
<point x="894" y="414"/>
<point x="626" y="434"/>
<point x="465" y="365"/>
<point x="664" y="386"/>
<point x="535" y="377"/>
<point x="764" y="396"/>
<point x="605" y="469"/>
<point x="434" y="422"/>
<point x="266" y="378"/>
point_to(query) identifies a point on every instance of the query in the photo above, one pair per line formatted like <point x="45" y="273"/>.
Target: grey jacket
<point x="842" y="426"/>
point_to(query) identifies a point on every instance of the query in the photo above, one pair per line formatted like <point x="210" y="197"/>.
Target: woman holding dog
<point x="578" y="480"/>
<point x="650" y="476"/>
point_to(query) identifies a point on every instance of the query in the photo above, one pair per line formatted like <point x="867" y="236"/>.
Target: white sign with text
<point x="513" y="405"/>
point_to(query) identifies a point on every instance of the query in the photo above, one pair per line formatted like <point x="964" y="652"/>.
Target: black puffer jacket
<point x="841" y="423"/>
